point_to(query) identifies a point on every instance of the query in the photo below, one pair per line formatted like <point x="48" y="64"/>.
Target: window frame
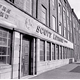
<point x="12" y="1"/>
<point x="64" y="22"/>
<point x="6" y="55"/>
<point x="48" y="51"/>
<point x="42" y="51"/>
<point x="54" y="26"/>
<point x="31" y="7"/>
<point x="60" y="52"/>
<point x="53" y="4"/>
<point x="45" y="19"/>
<point x="53" y="52"/>
<point x="57" y="52"/>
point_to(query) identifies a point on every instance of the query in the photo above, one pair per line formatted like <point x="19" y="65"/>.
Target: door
<point x="25" y="57"/>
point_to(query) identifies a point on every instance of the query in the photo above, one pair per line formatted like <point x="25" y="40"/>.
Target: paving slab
<point x="69" y="71"/>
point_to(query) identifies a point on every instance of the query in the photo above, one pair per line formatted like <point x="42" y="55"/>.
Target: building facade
<point x="36" y="36"/>
<point x="76" y="28"/>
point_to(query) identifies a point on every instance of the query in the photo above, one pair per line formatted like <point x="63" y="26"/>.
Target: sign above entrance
<point x="36" y="28"/>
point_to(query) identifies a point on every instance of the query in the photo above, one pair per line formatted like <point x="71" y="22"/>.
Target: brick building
<point x="36" y="36"/>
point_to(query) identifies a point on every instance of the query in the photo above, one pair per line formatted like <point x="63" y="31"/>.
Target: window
<point x="48" y="51"/>
<point x="72" y="53"/>
<point x="53" y="51"/>
<point x="68" y="21"/>
<point x="60" y="10"/>
<point x="69" y="25"/>
<point x="53" y="4"/>
<point x="42" y="50"/>
<point x="5" y="46"/>
<point x="71" y="29"/>
<point x="11" y="1"/>
<point x="28" y="6"/>
<point x="60" y="16"/>
<point x="68" y="53"/>
<point x="53" y="23"/>
<point x="57" y="51"/>
<point x="64" y="32"/>
<point x="64" y="21"/>
<point x="64" y="53"/>
<point x="43" y="14"/>
<point x="59" y="27"/>
<point x="60" y="51"/>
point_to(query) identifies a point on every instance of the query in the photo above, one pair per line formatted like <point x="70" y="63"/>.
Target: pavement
<point x="69" y="71"/>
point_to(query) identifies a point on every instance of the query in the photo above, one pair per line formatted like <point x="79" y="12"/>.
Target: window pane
<point x="5" y="34"/>
<point x="43" y="20"/>
<point x="4" y="41"/>
<point x="43" y="14"/>
<point x="42" y="51"/>
<point x="0" y="41"/>
<point x="10" y="0"/>
<point x="53" y="51"/>
<point x="9" y="44"/>
<point x="57" y="52"/>
<point x="3" y="60"/>
<point x="63" y="53"/>
<point x="0" y="32"/>
<point x="48" y="51"/>
<point x="59" y="27"/>
<point x="60" y="52"/>
<point x="29" y="6"/>
<point x="53" y="23"/>
<point x="53" y="4"/>
<point x="43" y="9"/>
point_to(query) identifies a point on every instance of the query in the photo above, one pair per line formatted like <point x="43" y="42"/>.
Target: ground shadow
<point x="77" y="63"/>
<point x="76" y="70"/>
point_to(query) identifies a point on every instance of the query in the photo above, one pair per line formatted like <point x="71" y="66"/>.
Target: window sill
<point x="4" y="66"/>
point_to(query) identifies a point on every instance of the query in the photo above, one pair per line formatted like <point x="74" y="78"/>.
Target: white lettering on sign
<point x="43" y="31"/>
<point x="47" y="33"/>
<point x="55" y="37"/>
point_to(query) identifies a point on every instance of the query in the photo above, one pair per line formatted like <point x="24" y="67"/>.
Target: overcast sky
<point x="75" y="4"/>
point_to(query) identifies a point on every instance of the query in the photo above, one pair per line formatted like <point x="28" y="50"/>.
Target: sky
<point x="75" y="4"/>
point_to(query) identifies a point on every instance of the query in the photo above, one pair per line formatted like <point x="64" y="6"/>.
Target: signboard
<point x="32" y="26"/>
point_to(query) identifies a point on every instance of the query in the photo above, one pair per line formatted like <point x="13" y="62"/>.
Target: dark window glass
<point x="43" y="14"/>
<point x="63" y="52"/>
<point x="5" y="49"/>
<point x="42" y="51"/>
<point x="60" y="52"/>
<point x="57" y="51"/>
<point x="48" y="51"/>
<point x="53" y="51"/>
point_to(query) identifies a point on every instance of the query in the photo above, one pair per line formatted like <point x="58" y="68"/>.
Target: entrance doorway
<point x="28" y="59"/>
<point x="26" y="56"/>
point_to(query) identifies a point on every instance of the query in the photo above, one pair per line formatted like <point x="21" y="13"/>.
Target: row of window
<point x="54" y="52"/>
<point x="64" y="16"/>
<point x="66" y="20"/>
